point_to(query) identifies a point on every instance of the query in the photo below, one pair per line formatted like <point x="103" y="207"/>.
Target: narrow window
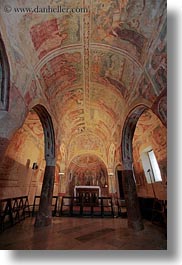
<point x="150" y="166"/>
<point x="154" y="165"/>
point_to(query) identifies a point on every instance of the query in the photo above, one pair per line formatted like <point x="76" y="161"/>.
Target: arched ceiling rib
<point x="89" y="67"/>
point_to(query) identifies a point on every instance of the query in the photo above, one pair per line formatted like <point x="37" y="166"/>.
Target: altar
<point x="87" y="192"/>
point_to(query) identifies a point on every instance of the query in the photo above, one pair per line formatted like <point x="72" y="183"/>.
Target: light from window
<point x="150" y="166"/>
<point x="155" y="166"/>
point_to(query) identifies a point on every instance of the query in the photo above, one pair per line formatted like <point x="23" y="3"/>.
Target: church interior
<point x="83" y="124"/>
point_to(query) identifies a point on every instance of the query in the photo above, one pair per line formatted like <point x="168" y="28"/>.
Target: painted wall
<point x="150" y="132"/>
<point x="88" y="70"/>
<point x="17" y="178"/>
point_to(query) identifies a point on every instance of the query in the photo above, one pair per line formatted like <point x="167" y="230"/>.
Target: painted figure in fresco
<point x="158" y="136"/>
<point x="161" y="78"/>
<point x="61" y="71"/>
<point x="55" y="41"/>
<point x="103" y="19"/>
<point x="133" y="37"/>
<point x="158" y="69"/>
<point x="47" y="36"/>
<point x="111" y="20"/>
<point x="146" y="90"/>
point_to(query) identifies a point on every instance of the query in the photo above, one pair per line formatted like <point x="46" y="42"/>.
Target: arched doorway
<point x="28" y="165"/>
<point x="134" y="216"/>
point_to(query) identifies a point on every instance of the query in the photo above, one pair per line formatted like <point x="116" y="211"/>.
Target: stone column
<point x="132" y="204"/>
<point x="44" y="216"/>
<point x="4" y="142"/>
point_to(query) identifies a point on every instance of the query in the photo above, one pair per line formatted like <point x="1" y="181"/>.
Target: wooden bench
<point x="35" y="206"/>
<point x="154" y="210"/>
<point x="78" y="206"/>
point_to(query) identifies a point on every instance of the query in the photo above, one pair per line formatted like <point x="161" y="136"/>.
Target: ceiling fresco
<point x="90" y="68"/>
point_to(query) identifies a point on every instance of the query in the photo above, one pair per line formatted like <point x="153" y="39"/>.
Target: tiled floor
<point x="83" y="234"/>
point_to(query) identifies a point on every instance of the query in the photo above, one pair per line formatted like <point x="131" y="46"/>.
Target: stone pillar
<point x="4" y="142"/>
<point x="132" y="204"/>
<point x="44" y="216"/>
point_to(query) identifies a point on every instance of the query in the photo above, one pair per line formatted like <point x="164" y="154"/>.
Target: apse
<point x="87" y="170"/>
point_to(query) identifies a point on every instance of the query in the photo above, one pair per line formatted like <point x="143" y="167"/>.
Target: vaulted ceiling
<point x="90" y="68"/>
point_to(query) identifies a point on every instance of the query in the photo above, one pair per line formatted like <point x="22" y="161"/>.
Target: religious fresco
<point x="32" y="133"/>
<point x="87" y="170"/>
<point x="61" y="72"/>
<point x="88" y="70"/>
<point x="26" y="147"/>
<point x="73" y="126"/>
<point x="55" y="33"/>
<point x="70" y="107"/>
<point x="111" y="156"/>
<point x="32" y="92"/>
<point x="128" y="25"/>
<point x="19" y="59"/>
<point x="32" y="31"/>
<point x="144" y="90"/>
<point x="162" y="109"/>
<point x="110" y="68"/>
<point x="75" y="59"/>
<point x="46" y="37"/>
<point x="157" y="65"/>
<point x="150" y="132"/>
<point x="105" y="111"/>
<point x="75" y="94"/>
<point x="85" y="143"/>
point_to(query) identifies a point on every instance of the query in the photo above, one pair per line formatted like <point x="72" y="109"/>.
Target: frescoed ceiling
<point x="86" y="163"/>
<point x="92" y="67"/>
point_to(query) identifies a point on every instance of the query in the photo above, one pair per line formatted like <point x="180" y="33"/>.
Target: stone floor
<point x="68" y="233"/>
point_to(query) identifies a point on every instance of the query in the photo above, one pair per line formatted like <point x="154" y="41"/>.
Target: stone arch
<point x="49" y="137"/>
<point x="129" y="187"/>
<point x="134" y="216"/>
<point x="44" y="216"/>
<point x="4" y="77"/>
<point x="127" y="135"/>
